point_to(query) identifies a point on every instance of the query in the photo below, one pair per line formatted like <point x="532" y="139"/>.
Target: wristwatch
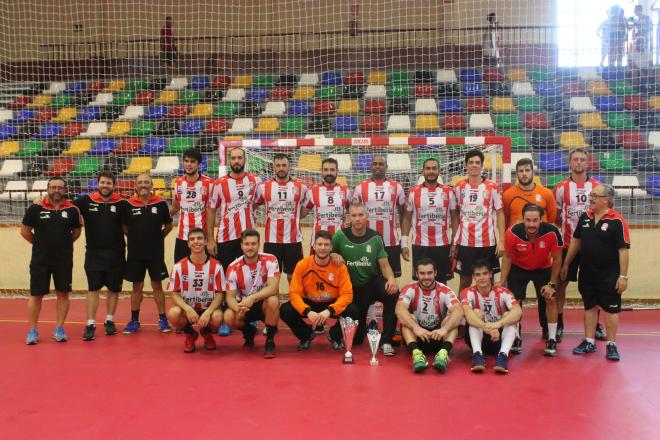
<point x="625" y="277"/>
<point x="552" y="285"/>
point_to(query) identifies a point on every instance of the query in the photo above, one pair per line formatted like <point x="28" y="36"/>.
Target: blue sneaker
<point x="59" y="335"/>
<point x="585" y="347"/>
<point x="164" y="326"/>
<point x="32" y="337"/>
<point x="224" y="330"/>
<point x="501" y="363"/>
<point x="478" y="363"/>
<point x="132" y="327"/>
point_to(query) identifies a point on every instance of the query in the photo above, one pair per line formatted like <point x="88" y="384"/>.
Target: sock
<point x="413" y="346"/>
<point x="270" y="331"/>
<point x="188" y="329"/>
<point x="476" y="336"/>
<point x="162" y="316"/>
<point x="135" y="315"/>
<point x="518" y="330"/>
<point x="91" y="322"/>
<point x="611" y="343"/>
<point x="109" y="318"/>
<point x="560" y="320"/>
<point x="552" y="330"/>
<point x="371" y="314"/>
<point x="590" y="340"/>
<point x="447" y="346"/>
<point x="508" y="336"/>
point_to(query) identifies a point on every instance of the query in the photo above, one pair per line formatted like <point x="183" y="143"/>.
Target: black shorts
<point x="40" y="275"/>
<point x="439" y="255"/>
<point x="467" y="255"/>
<point x="112" y="279"/>
<point x="136" y="269"/>
<point x="520" y="278"/>
<point x="287" y="254"/>
<point x="600" y="293"/>
<point x="181" y="250"/>
<point x="105" y="260"/>
<point x="488" y="346"/>
<point x="430" y="347"/>
<point x="256" y="312"/>
<point x="573" y="267"/>
<point x="228" y="251"/>
<point x="394" y="258"/>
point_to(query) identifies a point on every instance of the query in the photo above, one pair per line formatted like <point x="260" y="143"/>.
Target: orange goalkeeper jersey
<point x="515" y="198"/>
<point x="326" y="284"/>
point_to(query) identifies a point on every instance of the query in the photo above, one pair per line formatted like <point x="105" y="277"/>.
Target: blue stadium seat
<point x="450" y="106"/>
<point x="613" y="74"/>
<point x="154" y="145"/>
<point x="346" y="123"/>
<point x="103" y="147"/>
<point x="92" y="184"/>
<point x="258" y="94"/>
<point x="300" y="108"/>
<point x="192" y="126"/>
<point x="548" y="88"/>
<point x="89" y="114"/>
<point x="23" y="115"/>
<point x="363" y="163"/>
<point x="552" y="161"/>
<point x="48" y="131"/>
<point x="155" y="112"/>
<point x="653" y="180"/>
<point x="473" y="89"/>
<point x="7" y="131"/>
<point x="75" y="87"/>
<point x="608" y="104"/>
<point x="331" y="79"/>
<point x="199" y="83"/>
<point x="469" y="75"/>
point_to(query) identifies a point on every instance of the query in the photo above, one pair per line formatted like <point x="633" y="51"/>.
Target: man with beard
<point x="191" y="195"/>
<point x="283" y="197"/>
<point x="147" y="222"/>
<point x="51" y="227"/>
<point x="430" y="209"/>
<point x="532" y="252"/>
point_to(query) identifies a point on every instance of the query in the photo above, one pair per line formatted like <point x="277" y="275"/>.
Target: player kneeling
<point x="492" y="314"/>
<point x="252" y="286"/>
<point x="430" y="314"/>
<point x="196" y="283"/>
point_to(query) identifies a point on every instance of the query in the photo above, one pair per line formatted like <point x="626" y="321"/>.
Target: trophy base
<point x="374" y="362"/>
<point x="348" y="359"/>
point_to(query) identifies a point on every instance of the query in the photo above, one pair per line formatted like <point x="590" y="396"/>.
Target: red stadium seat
<point x="631" y="102"/>
<point x="129" y="145"/>
<point x="45" y="114"/>
<point x="221" y="82"/>
<point x="60" y="167"/>
<point x="477" y="105"/>
<point x="454" y="122"/>
<point x="573" y="89"/>
<point x="281" y="94"/>
<point x="592" y="163"/>
<point x="491" y="74"/>
<point x="216" y="126"/>
<point x="125" y="187"/>
<point x="72" y="129"/>
<point x="19" y="102"/>
<point x="536" y="120"/>
<point x="631" y="140"/>
<point x="178" y="111"/>
<point x="323" y="107"/>
<point x="424" y="90"/>
<point x="372" y="123"/>
<point x="375" y="107"/>
<point x="144" y="97"/>
<point x="95" y="86"/>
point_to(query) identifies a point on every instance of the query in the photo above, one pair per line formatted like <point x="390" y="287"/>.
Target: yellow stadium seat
<point x="591" y="120"/>
<point x="517" y="74"/>
<point x="139" y="165"/>
<point x="503" y="105"/>
<point x="341" y="180"/>
<point x="167" y="97"/>
<point x="304" y="92"/>
<point x="116" y="85"/>
<point x="309" y="162"/>
<point x="377" y="78"/>
<point x="202" y="111"/>
<point x="488" y="163"/>
<point x="399" y="148"/>
<point x="233" y="138"/>
<point x="349" y="107"/>
<point x="654" y="102"/>
<point x="457" y="179"/>
<point x="9" y="147"/>
<point x="119" y="128"/>
<point x="268" y="125"/>
<point x="241" y="82"/>
<point x="65" y="114"/>
<point x="40" y="101"/>
<point x="572" y="139"/>
<point x="427" y="123"/>
<point x="161" y="189"/>
<point x="78" y="146"/>
<point x="598" y="88"/>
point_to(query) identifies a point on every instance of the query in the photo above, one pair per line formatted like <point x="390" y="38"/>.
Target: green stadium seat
<point x="400" y="90"/>
<point x="212" y="167"/>
<point x="327" y="92"/>
<point x="552" y="181"/>
<point x="178" y="145"/>
<point x="142" y="128"/>
<point x="87" y="166"/>
<point x="529" y="104"/>
<point x="507" y="121"/>
<point x="518" y="140"/>
<point x="256" y="165"/>
<point x="30" y="148"/>
<point x="226" y="109"/>
<point x="622" y="88"/>
<point x="293" y="124"/>
<point x="137" y="85"/>
<point x="123" y="98"/>
<point x="188" y="97"/>
<point x="263" y="81"/>
<point x="61" y="101"/>
<point x="539" y="74"/>
<point x="400" y="77"/>
<point x="620" y="120"/>
<point x="614" y="161"/>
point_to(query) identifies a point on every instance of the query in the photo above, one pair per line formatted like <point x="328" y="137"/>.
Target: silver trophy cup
<point x="373" y="336"/>
<point x="348" y="328"/>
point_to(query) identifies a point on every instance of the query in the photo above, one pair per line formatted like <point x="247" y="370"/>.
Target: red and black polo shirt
<point x="533" y="254"/>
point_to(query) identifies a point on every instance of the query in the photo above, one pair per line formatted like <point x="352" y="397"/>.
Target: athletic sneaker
<point x="110" y="328"/>
<point x="560" y="333"/>
<point x="584" y="348"/>
<point x="387" y="350"/>
<point x="209" y="342"/>
<point x="59" y="335"/>
<point x="550" y="348"/>
<point x="600" y="333"/>
<point x="373" y="325"/>
<point x="478" y="362"/>
<point x="517" y="346"/>
<point x="224" y="330"/>
<point x="336" y="345"/>
<point x="32" y="337"/>
<point x="419" y="360"/>
<point x="501" y="363"/>
<point x="319" y="330"/>
<point x="88" y="335"/>
<point x="164" y="326"/>
<point x="132" y="327"/>
<point x="612" y="352"/>
<point x="440" y="361"/>
<point x="269" y="349"/>
<point x="304" y="345"/>
<point x="189" y="343"/>
<point x="248" y="334"/>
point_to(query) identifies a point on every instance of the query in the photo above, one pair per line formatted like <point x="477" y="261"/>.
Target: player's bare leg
<point x="159" y="299"/>
<point x="34" y="310"/>
<point x="62" y="308"/>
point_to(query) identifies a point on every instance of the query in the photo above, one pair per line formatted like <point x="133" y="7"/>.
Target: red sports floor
<point x="144" y="386"/>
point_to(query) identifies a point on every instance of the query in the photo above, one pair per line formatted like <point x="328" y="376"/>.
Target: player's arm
<point x="215" y="305"/>
<point x="191" y="314"/>
<point x="271" y="288"/>
<point x="345" y="293"/>
<point x="501" y="229"/>
<point x="622" y="281"/>
<point x="297" y="292"/>
<point x="75" y="233"/>
<point x="230" y="298"/>
<point x="211" y="245"/>
<point x="454" y="217"/>
<point x="551" y="288"/>
<point x="388" y="274"/>
<point x="407" y="320"/>
<point x="455" y="317"/>
<point x="472" y="319"/>
<point x="505" y="266"/>
<point x="512" y="317"/>
<point x="26" y="233"/>
<point x="174" y="207"/>
<point x="167" y="228"/>
<point x="406" y="222"/>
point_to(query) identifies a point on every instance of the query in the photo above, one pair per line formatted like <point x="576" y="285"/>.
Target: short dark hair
<point x="525" y="161"/>
<point x="577" y="150"/>
<point x="330" y="160"/>
<point x="424" y="262"/>
<point x="107" y="174"/>
<point x="431" y="159"/>
<point x="280" y="156"/>
<point x="533" y="207"/>
<point x="250" y="233"/>
<point x="193" y="153"/>
<point x="322" y="234"/>
<point x="480" y="263"/>
<point x="196" y="231"/>
<point x="56" y="178"/>
<point x="472" y="153"/>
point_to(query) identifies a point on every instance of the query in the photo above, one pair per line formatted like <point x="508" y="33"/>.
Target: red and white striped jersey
<point x="283" y="204"/>
<point x="247" y="279"/>
<point x="572" y="201"/>
<point x="192" y="198"/>
<point x="330" y="204"/>
<point x="498" y="301"/>
<point x="478" y="205"/>
<point x="429" y="307"/>
<point x="233" y="198"/>
<point x="197" y="284"/>
<point x="430" y="219"/>
<point x="382" y="198"/>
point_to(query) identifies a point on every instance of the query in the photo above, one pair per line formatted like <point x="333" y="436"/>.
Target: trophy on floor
<point x="373" y="336"/>
<point x="348" y="328"/>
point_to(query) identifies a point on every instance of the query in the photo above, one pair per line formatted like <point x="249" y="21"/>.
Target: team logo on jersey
<point x="136" y="211"/>
<point x="93" y="208"/>
<point x="538" y="197"/>
<point x="369" y="248"/>
<point x="604" y="227"/>
<point x="154" y="210"/>
<point x="44" y="214"/>
<point x="113" y="208"/>
<point x="65" y="214"/>
<point x="542" y="245"/>
<point x="184" y="278"/>
<point x="331" y="276"/>
<point x="179" y="190"/>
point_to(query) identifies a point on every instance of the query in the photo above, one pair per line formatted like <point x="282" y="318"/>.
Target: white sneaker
<point x="387" y="350"/>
